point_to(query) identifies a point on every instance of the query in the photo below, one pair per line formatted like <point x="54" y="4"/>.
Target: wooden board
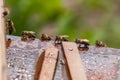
<point x="2" y="43"/>
<point x="100" y="63"/>
<point x="49" y="64"/>
<point x="75" y="66"/>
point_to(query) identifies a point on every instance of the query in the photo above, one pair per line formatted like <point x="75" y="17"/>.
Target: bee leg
<point x="23" y="38"/>
<point x="10" y="32"/>
<point x="86" y="48"/>
<point x="49" y="38"/>
<point x="33" y="37"/>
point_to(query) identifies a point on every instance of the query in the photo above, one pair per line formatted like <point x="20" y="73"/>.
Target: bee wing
<point x="7" y="9"/>
<point x="65" y="36"/>
<point x="52" y="37"/>
<point x="13" y="26"/>
<point x="14" y="29"/>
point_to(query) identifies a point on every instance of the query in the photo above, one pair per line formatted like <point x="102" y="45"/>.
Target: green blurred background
<point x="90" y="19"/>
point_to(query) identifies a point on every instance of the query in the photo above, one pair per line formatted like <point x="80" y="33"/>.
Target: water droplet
<point x="70" y="49"/>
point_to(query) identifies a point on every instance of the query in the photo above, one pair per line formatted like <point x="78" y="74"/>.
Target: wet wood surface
<point x="22" y="58"/>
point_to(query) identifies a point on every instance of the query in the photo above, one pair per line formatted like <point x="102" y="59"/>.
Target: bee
<point x="10" y="27"/>
<point x="28" y="35"/>
<point x="45" y="37"/>
<point x="6" y="12"/>
<point x="8" y="42"/>
<point x="83" y="44"/>
<point x="59" y="39"/>
<point x="100" y="44"/>
<point x="62" y="62"/>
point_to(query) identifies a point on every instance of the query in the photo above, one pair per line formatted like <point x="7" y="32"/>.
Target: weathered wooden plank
<point x="2" y="43"/>
<point x="74" y="62"/>
<point x="99" y="63"/>
<point x="49" y="64"/>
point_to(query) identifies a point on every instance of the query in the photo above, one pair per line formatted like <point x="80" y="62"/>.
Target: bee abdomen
<point x="45" y="37"/>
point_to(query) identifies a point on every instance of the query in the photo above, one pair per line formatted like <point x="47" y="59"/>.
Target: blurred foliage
<point x="91" y="19"/>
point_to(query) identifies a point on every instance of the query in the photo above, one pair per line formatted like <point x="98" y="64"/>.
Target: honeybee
<point x="28" y="35"/>
<point x="10" y="26"/>
<point x="45" y="37"/>
<point x="59" y="39"/>
<point x="8" y="42"/>
<point x="6" y="11"/>
<point x="100" y="44"/>
<point x="83" y="44"/>
<point x="62" y="62"/>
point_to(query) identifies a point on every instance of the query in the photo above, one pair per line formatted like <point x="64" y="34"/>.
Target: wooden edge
<point x="47" y="64"/>
<point x="74" y="62"/>
<point x="3" y="68"/>
<point x="39" y="66"/>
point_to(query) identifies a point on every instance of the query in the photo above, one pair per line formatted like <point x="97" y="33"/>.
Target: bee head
<point x="9" y="20"/>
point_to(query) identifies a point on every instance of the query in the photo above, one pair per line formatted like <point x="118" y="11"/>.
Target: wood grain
<point x="49" y="64"/>
<point x="2" y="43"/>
<point x="74" y="62"/>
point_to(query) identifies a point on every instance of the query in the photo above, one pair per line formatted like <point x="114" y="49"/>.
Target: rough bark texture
<point x="99" y="63"/>
<point x="2" y="43"/>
